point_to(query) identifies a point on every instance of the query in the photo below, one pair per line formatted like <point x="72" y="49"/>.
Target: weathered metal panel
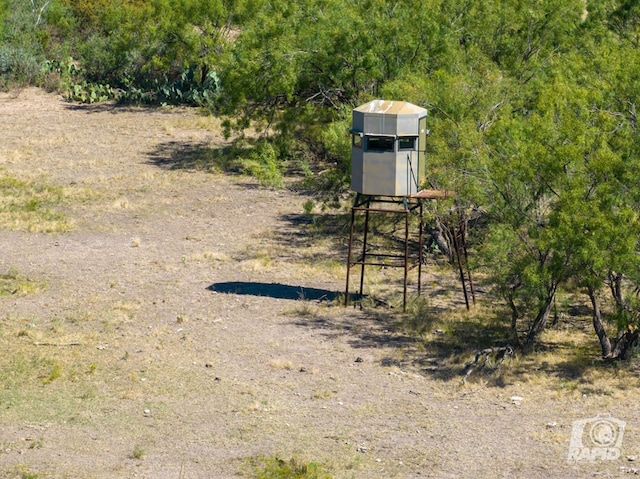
<point x="385" y="174"/>
<point x="380" y="124"/>
<point x="407" y="125"/>
<point x="378" y="174"/>
<point x="357" y="121"/>
<point x="357" y="170"/>
<point x="422" y="149"/>
<point x="408" y="162"/>
<point x="379" y="168"/>
<point x="407" y="181"/>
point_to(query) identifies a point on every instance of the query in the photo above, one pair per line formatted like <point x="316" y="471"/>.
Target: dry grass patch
<point x="281" y="364"/>
<point x="569" y="364"/>
<point x="319" y="266"/>
<point x="261" y="406"/>
<point x="201" y="122"/>
<point x="324" y="394"/>
<point x="121" y="204"/>
<point x="57" y="370"/>
<point x="44" y="373"/>
<point x="208" y="257"/>
<point x="309" y="253"/>
<point x="305" y="309"/>
<point x="125" y="310"/>
<point x="259" y="262"/>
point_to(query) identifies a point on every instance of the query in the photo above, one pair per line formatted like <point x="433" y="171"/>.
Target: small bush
<point x="308" y="207"/>
<point x="56" y="372"/>
<point x="17" y="66"/>
<point x="21" y="472"/>
<point x="276" y="468"/>
<point x="138" y="452"/>
<point x="263" y="164"/>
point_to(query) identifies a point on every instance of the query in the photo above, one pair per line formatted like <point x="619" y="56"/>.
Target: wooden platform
<point x="433" y="194"/>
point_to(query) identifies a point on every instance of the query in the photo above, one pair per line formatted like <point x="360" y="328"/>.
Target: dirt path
<point x="173" y="311"/>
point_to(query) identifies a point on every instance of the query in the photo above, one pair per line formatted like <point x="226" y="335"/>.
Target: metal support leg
<point x="421" y="251"/>
<point x="364" y="247"/>
<point x="406" y="256"/>
<point x="346" y="292"/>
<point x="456" y="241"/>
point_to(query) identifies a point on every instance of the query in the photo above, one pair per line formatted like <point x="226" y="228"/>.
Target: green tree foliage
<point x="4" y="8"/>
<point x="564" y="205"/>
<point x="184" y="35"/>
<point x="158" y="51"/>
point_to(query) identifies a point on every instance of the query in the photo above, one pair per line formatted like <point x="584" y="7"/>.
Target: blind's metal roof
<point x="384" y="107"/>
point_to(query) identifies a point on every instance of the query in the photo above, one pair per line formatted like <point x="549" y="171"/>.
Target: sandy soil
<point x="187" y="351"/>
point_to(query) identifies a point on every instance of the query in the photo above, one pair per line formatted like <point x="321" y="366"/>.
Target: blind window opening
<point x="381" y="143"/>
<point x="407" y="143"/>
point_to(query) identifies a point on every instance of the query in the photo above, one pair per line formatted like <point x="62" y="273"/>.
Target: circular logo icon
<point x="603" y="433"/>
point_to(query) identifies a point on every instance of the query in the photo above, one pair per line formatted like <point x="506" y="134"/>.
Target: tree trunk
<point x="439" y="236"/>
<point x="625" y="342"/>
<point x="626" y="339"/>
<point x="615" y="284"/>
<point x="542" y="317"/>
<point x="605" y="343"/>
<point x="514" y="318"/>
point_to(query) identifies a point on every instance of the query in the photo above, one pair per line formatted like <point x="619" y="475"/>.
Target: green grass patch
<point x="45" y="384"/>
<point x="22" y="472"/>
<point x="28" y="205"/>
<point x="14" y="283"/>
<point x="276" y="468"/>
<point x="259" y="159"/>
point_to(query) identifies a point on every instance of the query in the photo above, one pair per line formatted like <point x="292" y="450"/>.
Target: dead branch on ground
<point x="477" y="364"/>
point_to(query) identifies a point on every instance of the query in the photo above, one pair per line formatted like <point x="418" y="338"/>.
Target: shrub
<point x="17" y="66"/>
<point x="263" y="164"/>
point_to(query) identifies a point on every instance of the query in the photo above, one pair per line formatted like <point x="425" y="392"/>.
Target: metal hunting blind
<point x="388" y="167"/>
<point x="388" y="148"/>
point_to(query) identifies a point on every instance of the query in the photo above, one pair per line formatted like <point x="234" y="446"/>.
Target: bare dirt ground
<point x="182" y="331"/>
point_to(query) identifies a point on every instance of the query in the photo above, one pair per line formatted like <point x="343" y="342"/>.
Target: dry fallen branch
<point x="500" y="355"/>
<point x="44" y="343"/>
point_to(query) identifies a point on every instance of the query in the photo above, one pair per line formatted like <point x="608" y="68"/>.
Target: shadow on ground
<point x="182" y="155"/>
<point x="315" y="237"/>
<point x="447" y="343"/>
<point x="442" y="354"/>
<point x="113" y="107"/>
<point x="274" y="290"/>
<point x="331" y="229"/>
